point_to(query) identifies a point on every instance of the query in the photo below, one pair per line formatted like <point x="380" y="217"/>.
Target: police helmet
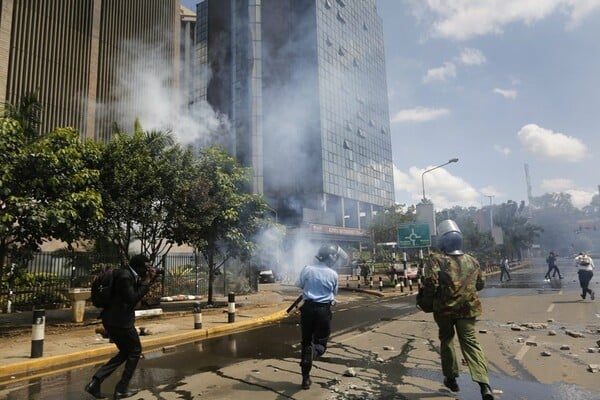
<point x="330" y="253"/>
<point x="450" y="238"/>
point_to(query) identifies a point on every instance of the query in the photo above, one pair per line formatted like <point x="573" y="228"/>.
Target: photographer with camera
<point x="129" y="286"/>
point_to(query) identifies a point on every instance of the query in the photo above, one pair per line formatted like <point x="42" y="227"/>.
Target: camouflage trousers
<point x="471" y="350"/>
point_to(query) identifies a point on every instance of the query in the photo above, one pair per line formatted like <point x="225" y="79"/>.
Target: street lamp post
<point x="452" y="160"/>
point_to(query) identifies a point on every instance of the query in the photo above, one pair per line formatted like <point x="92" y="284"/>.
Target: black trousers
<point x="315" y="321"/>
<point x="550" y="269"/>
<point x="127" y="341"/>
<point x="504" y="271"/>
<point x="584" y="281"/>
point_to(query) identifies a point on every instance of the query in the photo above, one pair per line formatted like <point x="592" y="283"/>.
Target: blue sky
<point x="497" y="84"/>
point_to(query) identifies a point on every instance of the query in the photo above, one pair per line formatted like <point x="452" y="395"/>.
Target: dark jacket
<point x="127" y="292"/>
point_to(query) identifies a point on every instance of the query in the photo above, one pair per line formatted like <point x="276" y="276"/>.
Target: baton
<point x="294" y="304"/>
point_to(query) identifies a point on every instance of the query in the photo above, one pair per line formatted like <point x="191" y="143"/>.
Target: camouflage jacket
<point x="453" y="281"/>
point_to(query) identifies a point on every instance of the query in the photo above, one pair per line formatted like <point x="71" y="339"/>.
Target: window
<point x="347" y="144"/>
<point x="342" y="3"/>
<point x="327" y="4"/>
<point x="361" y="133"/>
<point x="341" y="18"/>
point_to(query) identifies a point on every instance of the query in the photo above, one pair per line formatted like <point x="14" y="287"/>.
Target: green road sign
<point x="413" y="235"/>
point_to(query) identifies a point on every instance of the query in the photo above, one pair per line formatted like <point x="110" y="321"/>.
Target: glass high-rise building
<point x="303" y="83"/>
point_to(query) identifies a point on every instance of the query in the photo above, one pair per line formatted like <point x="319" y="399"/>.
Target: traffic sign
<point x="413" y="236"/>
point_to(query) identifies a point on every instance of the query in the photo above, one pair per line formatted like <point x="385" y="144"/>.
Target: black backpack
<point x="102" y="288"/>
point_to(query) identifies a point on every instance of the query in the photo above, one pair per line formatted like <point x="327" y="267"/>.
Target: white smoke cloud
<point x="551" y="145"/>
<point x="144" y="91"/>
<point x="581" y="198"/>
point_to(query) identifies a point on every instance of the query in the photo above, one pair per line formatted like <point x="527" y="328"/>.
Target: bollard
<point x="9" y="302"/>
<point x="231" y="305"/>
<point x="419" y="282"/>
<point x="37" y="333"/>
<point x="395" y="280"/>
<point x="370" y="282"/>
<point x="401" y="286"/>
<point x="410" y="285"/>
<point x="197" y="316"/>
<point x="347" y="281"/>
<point x="380" y="284"/>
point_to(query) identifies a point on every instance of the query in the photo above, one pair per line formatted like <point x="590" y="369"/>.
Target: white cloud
<point x="506" y="93"/>
<point x="557" y="185"/>
<point x="419" y="114"/>
<point x="441" y="187"/>
<point x="490" y="191"/>
<point x="469" y="56"/>
<point x="580" y="198"/>
<point x="448" y="70"/>
<point x="551" y="145"/>
<point x="464" y="19"/>
<point x="502" y="149"/>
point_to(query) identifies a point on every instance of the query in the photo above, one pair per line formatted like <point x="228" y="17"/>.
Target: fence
<point x="48" y="276"/>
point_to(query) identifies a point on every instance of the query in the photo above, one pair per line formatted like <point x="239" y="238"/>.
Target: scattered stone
<point x="565" y="347"/>
<point x="593" y="368"/>
<point x="531" y="343"/>
<point x="510" y="322"/>
<point x="598" y="343"/>
<point x="483" y="331"/>
<point x="574" y="334"/>
<point x="532" y="325"/>
<point x="551" y="333"/>
<point x="516" y="328"/>
<point x="168" y="349"/>
<point x="550" y="320"/>
<point x="591" y="350"/>
<point x="388" y="348"/>
<point x="379" y="359"/>
<point x="546" y="353"/>
<point x="520" y="340"/>
<point x="350" y="372"/>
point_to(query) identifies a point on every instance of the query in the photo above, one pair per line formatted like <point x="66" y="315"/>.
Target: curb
<point x="39" y="365"/>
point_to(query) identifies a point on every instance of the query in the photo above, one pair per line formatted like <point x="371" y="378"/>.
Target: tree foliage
<point x="384" y="227"/>
<point x="141" y="176"/>
<point x="220" y="217"/>
<point x="47" y="188"/>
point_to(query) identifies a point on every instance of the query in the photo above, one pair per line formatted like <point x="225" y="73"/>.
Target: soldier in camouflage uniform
<point x="452" y="279"/>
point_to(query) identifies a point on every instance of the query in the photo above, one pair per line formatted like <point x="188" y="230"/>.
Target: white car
<point x="266" y="276"/>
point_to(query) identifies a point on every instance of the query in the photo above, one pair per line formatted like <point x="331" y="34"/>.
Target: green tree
<point x="141" y="176"/>
<point x="28" y="112"/>
<point x="220" y="217"/>
<point x="47" y="188"/>
<point x="384" y="227"/>
<point x="519" y="232"/>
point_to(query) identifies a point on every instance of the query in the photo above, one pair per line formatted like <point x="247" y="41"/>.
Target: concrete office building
<point x="76" y="52"/>
<point x="303" y="83"/>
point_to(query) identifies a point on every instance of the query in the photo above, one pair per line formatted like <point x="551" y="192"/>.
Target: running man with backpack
<point x="128" y="286"/>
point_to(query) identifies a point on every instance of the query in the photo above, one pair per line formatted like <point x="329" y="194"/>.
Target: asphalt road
<point x="390" y="347"/>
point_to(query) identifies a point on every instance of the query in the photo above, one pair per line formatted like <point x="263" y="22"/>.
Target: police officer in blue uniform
<point x="319" y="284"/>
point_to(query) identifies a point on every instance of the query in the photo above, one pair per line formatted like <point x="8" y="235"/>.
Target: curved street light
<point x="452" y="160"/>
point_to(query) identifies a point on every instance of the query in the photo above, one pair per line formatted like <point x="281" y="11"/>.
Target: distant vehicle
<point x="266" y="276"/>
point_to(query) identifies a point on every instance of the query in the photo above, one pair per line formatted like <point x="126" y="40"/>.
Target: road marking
<point x="524" y="349"/>
<point x="550" y="308"/>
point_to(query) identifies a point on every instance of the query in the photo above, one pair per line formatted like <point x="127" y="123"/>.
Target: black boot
<point x="125" y="394"/>
<point x="486" y="391"/>
<point x="306" y="382"/>
<point x="93" y="388"/>
<point x="451" y="384"/>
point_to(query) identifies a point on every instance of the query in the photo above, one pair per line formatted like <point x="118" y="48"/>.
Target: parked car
<point x="266" y="276"/>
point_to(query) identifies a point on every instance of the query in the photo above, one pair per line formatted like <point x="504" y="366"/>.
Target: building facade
<point x="77" y="54"/>
<point x="303" y="84"/>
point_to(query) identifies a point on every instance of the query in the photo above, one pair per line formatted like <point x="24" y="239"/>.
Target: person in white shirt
<point x="585" y="270"/>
